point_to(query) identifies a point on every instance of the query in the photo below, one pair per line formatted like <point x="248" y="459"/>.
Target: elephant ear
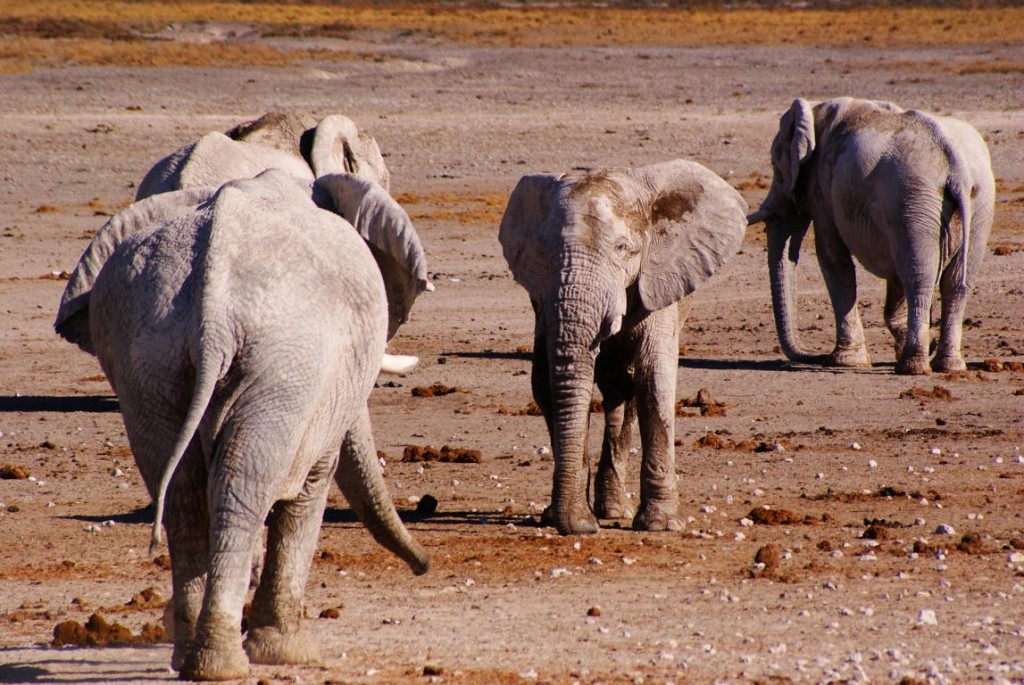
<point x="795" y="143"/>
<point x="214" y="160"/>
<point x="389" y="233"/>
<point x="525" y="241"/>
<point x="72" y="322"/>
<point x="697" y="222"/>
<point x="339" y="146"/>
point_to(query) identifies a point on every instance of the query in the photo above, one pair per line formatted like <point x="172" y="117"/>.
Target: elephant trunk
<point x="362" y="482"/>
<point x="580" y="320"/>
<point x="783" y="254"/>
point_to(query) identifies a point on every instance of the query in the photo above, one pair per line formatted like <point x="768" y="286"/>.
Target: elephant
<point x="296" y="143"/>
<point x="242" y="329"/>
<point x="299" y="145"/>
<point x="909" y="194"/>
<point x="606" y="256"/>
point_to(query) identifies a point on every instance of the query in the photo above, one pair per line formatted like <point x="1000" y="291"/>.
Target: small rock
<point x="945" y="529"/>
<point x="927" y="617"/>
<point x="594" y="611"/>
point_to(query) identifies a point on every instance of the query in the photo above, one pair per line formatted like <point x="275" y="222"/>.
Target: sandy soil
<point x="901" y="559"/>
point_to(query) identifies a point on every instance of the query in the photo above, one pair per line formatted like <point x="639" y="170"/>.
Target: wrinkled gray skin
<point x="243" y="383"/>
<point x="307" y="149"/>
<point x="894" y="189"/>
<point x="296" y="143"/>
<point x="606" y="257"/>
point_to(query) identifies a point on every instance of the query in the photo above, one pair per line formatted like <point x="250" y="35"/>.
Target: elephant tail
<point x="209" y="370"/>
<point x="960" y="188"/>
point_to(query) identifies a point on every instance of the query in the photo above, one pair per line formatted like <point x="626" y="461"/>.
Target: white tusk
<point x="398" y="363"/>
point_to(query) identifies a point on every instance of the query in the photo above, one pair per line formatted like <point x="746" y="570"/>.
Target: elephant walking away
<point x="242" y="329"/>
<point x="910" y="195"/>
<point x="606" y="258"/>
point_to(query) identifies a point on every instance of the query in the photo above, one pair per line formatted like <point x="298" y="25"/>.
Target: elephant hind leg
<point x="276" y="635"/>
<point x="948" y="356"/>
<point x="896" y="314"/>
<point x="840" y="277"/>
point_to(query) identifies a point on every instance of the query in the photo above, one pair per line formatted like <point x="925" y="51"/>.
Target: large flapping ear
<point x="522" y="235"/>
<point x="72" y="322"/>
<point x="797" y="128"/>
<point x="339" y="146"/>
<point x="697" y="222"/>
<point x="214" y="160"/>
<point x="280" y="130"/>
<point x="388" y="231"/>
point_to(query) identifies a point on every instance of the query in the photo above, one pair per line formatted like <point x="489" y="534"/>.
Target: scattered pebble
<point x="927" y="617"/>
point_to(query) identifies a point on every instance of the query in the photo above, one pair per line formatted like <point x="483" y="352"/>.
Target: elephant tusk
<point x="398" y="363"/>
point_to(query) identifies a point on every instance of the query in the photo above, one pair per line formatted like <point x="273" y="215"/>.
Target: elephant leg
<point x="276" y="635"/>
<point x="896" y="314"/>
<point x="610" y="500"/>
<point x="657" y="365"/>
<point x="540" y="381"/>
<point x="948" y="356"/>
<point x="841" y="281"/>
<point x="188" y="525"/>
<point x="919" y="283"/>
<point x="240" y="496"/>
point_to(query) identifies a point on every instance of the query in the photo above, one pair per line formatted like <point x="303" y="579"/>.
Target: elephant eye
<point x="624" y="246"/>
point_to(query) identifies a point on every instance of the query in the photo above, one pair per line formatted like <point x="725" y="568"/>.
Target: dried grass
<point x="114" y="32"/>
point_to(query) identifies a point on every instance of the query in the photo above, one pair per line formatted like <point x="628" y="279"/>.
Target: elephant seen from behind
<point x="910" y="195"/>
<point x="242" y="329"/>
<point x="606" y="257"/>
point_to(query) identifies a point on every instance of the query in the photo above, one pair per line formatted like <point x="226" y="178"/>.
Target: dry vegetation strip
<point x="101" y="32"/>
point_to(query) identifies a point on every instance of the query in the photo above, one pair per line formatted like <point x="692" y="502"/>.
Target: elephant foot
<point x="269" y="645"/>
<point x="220" y="661"/>
<point x="613" y="509"/>
<point x="610" y="501"/>
<point x="653" y="517"/>
<point x="948" y="363"/>
<point x="577" y="523"/>
<point x="913" y="366"/>
<point x="856" y="357"/>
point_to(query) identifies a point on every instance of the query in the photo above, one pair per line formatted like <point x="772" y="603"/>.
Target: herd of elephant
<point x="241" y="308"/>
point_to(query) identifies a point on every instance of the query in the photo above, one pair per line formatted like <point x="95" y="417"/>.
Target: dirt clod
<point x="435" y="390"/>
<point x="936" y="393"/>
<point x="447" y="454"/>
<point x="780" y="517"/>
<point x="13" y="472"/>
<point x="99" y="632"/>
<point x="770" y="555"/>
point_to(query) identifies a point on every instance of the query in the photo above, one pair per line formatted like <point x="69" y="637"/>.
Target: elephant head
<point x="787" y="220"/>
<point x="599" y="252"/>
<point x="376" y="216"/>
<point x="295" y="143"/>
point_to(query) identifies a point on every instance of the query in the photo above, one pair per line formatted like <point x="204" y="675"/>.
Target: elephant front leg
<point x="657" y="365"/>
<point x="610" y="498"/>
<point x="276" y="634"/>
<point x="617" y="393"/>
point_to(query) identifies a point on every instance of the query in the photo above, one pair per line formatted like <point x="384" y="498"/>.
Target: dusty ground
<point x="506" y="600"/>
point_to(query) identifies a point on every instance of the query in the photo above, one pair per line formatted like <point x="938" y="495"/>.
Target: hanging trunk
<point x="362" y="482"/>
<point x="583" y="313"/>
<point x="783" y="252"/>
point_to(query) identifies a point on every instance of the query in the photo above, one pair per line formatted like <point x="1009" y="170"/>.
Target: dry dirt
<point x="892" y="549"/>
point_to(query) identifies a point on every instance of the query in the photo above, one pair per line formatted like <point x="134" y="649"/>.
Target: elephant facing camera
<point x="608" y="259"/>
